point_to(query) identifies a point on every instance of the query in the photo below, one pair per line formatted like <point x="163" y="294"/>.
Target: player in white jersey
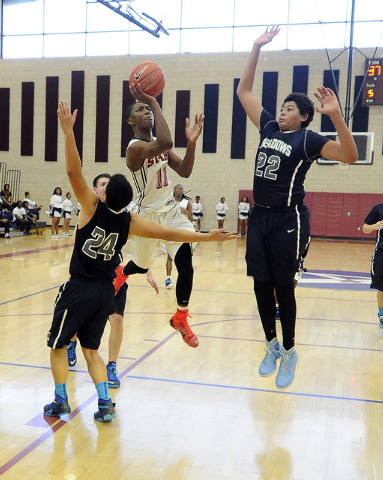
<point x="186" y="210"/>
<point x="148" y="159"/>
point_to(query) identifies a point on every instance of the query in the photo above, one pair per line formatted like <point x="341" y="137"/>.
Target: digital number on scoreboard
<point x="373" y="84"/>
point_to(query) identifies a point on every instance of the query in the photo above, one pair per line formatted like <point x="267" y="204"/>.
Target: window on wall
<point x="57" y="28"/>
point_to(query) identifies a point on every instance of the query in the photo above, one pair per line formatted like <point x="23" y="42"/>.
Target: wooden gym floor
<point x="205" y="413"/>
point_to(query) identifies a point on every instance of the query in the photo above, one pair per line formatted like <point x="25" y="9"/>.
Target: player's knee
<point x="263" y="287"/>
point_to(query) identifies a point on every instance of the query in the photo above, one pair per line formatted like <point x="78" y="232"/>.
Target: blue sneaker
<point x="111" y="370"/>
<point x="269" y="363"/>
<point x="168" y="283"/>
<point x="286" y="373"/>
<point x="380" y="322"/>
<point x="56" y="408"/>
<point x="71" y="351"/>
<point x="106" y="411"/>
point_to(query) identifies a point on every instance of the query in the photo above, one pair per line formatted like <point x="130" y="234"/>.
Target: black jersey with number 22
<point x="282" y="162"/>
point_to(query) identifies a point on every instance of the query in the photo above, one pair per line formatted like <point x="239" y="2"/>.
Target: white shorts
<point x="221" y="218"/>
<point x="67" y="214"/>
<point x="143" y="250"/>
<point x="57" y="212"/>
<point x="243" y="217"/>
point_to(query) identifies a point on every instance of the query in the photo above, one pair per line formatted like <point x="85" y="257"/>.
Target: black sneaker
<point x="56" y="409"/>
<point x="106" y="411"/>
<point x="71" y="351"/>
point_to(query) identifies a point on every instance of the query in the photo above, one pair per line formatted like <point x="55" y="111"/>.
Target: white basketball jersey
<point x="154" y="193"/>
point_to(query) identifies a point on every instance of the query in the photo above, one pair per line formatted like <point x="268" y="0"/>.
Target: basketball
<point x="150" y="76"/>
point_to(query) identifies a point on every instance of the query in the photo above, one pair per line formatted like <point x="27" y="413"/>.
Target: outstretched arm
<point x="184" y="167"/>
<point x="249" y="102"/>
<point x="345" y="150"/>
<point x="147" y="229"/>
<point x="82" y="191"/>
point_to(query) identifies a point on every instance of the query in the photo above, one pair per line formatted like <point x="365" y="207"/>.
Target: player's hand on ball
<point x="139" y="95"/>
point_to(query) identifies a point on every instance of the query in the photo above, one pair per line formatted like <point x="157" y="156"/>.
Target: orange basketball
<point x="150" y="76"/>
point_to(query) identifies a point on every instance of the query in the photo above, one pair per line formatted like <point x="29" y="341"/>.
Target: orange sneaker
<point x="179" y="322"/>
<point x="119" y="281"/>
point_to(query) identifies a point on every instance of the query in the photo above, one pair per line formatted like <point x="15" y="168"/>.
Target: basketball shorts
<point x="277" y="240"/>
<point x="57" y="212"/>
<point x="82" y="306"/>
<point x="143" y="250"/>
<point x="120" y="300"/>
<point x="377" y="270"/>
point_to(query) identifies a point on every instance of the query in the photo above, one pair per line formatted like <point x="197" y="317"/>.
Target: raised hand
<point x="267" y="36"/>
<point x="328" y="100"/>
<point x="67" y="120"/>
<point x="139" y="94"/>
<point x="194" y="131"/>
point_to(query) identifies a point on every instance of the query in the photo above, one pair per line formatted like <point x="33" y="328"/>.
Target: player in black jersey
<point x="85" y="301"/>
<point x="278" y="227"/>
<point x="374" y="222"/>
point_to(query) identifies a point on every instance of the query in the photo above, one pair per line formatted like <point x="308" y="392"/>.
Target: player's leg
<point x="59" y="366"/>
<point x="377" y="282"/>
<point x="115" y="336"/>
<point x="290" y="243"/>
<point x="89" y="334"/>
<point x="182" y="257"/>
<point x="169" y="266"/>
<point x="141" y="251"/>
<point x="184" y="286"/>
<point x="96" y="369"/>
<point x="63" y="327"/>
<point x="258" y="267"/>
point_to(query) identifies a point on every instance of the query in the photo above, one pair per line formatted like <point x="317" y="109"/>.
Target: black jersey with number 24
<point x="99" y="243"/>
<point x="282" y="162"/>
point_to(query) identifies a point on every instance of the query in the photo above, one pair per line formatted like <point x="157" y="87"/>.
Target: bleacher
<point x="16" y="233"/>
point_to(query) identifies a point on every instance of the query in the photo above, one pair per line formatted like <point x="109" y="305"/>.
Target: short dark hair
<point x="118" y="192"/>
<point x="102" y="175"/>
<point x="54" y="191"/>
<point x="304" y="104"/>
<point x="129" y="110"/>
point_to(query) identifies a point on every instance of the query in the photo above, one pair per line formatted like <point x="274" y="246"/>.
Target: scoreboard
<point x="373" y="84"/>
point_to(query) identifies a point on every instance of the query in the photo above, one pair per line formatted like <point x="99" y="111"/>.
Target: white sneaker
<point x="7" y="235"/>
<point x="54" y="237"/>
<point x="60" y="236"/>
<point x="67" y="234"/>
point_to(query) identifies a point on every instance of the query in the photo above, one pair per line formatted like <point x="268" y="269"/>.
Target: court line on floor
<point x="261" y="390"/>
<point x="60" y="423"/>
<point x="36" y="250"/>
<point x="56" y="426"/>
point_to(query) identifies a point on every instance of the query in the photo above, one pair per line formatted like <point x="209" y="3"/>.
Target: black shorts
<point x="276" y="242"/>
<point x="120" y="300"/>
<point x="82" y="307"/>
<point x="377" y="270"/>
